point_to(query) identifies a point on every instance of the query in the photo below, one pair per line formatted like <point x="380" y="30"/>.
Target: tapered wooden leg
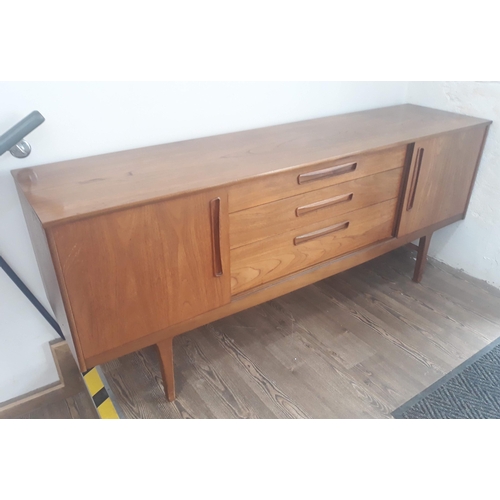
<point x="166" y="353"/>
<point x="423" y="248"/>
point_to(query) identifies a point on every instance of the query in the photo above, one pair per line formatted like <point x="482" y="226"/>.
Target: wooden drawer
<point x="266" y="260"/>
<point x="271" y="219"/>
<point x="305" y="178"/>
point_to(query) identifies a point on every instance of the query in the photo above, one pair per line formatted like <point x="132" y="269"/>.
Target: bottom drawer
<point x="264" y="261"/>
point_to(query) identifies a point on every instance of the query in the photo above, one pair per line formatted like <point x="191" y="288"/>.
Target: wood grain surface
<point x="271" y="219"/>
<point x="269" y="291"/>
<point x="285" y="183"/>
<point x="422" y="250"/>
<point x="48" y="265"/>
<point x="440" y="178"/>
<point x="166" y="356"/>
<point x="136" y="271"/>
<point x="264" y="261"/>
<point x="76" y="188"/>
<point x="140" y="240"/>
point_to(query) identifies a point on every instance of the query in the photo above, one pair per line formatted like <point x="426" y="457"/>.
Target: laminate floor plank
<point x="273" y="378"/>
<point x="419" y="326"/>
<point x="319" y="365"/>
<point x="356" y="345"/>
<point x="341" y="315"/>
<point x="227" y="384"/>
<point x="388" y="379"/>
<point x="252" y="379"/>
<point x="319" y="373"/>
<point x="340" y="343"/>
<point x="375" y="332"/>
<point x="449" y="322"/>
<point x="354" y="321"/>
<point x="79" y="406"/>
<point x="343" y="394"/>
<point x="462" y="290"/>
<point x="57" y="410"/>
<point x="450" y="305"/>
<point x="398" y="330"/>
<point x="133" y="377"/>
<point x="379" y="395"/>
<point x="137" y="384"/>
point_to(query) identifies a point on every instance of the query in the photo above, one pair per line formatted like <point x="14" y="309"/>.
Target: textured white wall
<point x="473" y="244"/>
<point x="85" y="119"/>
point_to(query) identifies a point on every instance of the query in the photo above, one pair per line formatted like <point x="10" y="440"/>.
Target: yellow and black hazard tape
<point x="100" y="394"/>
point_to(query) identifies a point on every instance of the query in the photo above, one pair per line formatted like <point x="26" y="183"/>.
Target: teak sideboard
<point x="139" y="246"/>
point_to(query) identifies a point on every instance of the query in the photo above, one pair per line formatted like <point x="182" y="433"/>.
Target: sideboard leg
<point x="166" y="353"/>
<point x="423" y="248"/>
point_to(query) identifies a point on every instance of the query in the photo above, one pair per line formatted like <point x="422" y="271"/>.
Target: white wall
<point x="473" y="244"/>
<point x="25" y="357"/>
<point x="85" y="119"/>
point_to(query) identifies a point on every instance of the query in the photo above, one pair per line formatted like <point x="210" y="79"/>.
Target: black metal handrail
<point x="27" y="292"/>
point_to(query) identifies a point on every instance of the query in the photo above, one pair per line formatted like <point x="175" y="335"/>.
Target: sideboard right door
<point x="441" y="175"/>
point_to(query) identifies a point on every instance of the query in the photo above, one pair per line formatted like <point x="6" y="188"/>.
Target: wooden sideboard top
<point x="77" y="188"/>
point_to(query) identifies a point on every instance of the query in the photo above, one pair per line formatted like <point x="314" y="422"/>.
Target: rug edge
<point x="398" y="412"/>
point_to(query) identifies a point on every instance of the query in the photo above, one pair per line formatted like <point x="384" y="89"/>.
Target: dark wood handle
<point x="326" y="172"/>
<point x="323" y="203"/>
<point x="215" y="210"/>
<point x="321" y="232"/>
<point x="414" y="182"/>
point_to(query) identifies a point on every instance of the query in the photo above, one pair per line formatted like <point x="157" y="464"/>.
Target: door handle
<point x="414" y="182"/>
<point x="323" y="204"/>
<point x="321" y="232"/>
<point x="215" y="215"/>
<point x="326" y="172"/>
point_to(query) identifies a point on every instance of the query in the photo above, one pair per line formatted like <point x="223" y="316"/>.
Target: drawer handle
<point x="414" y="182"/>
<point x="326" y="172"/>
<point x="321" y="232"/>
<point x="215" y="212"/>
<point x="324" y="203"/>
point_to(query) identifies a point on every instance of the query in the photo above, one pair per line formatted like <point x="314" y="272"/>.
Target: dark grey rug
<point x="472" y="390"/>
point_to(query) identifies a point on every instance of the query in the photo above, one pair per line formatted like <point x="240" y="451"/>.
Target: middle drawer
<point x="264" y="221"/>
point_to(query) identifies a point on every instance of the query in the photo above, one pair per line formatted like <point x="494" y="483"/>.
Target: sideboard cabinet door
<point x="440" y="179"/>
<point x="135" y="271"/>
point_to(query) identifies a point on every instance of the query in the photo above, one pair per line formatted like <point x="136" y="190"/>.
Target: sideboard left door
<point x="139" y="270"/>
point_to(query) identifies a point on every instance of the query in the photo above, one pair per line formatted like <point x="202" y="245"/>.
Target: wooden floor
<point x="357" y="345"/>
<point x="79" y="406"/>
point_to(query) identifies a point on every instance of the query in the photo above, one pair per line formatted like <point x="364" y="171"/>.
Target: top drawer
<point x="313" y="176"/>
